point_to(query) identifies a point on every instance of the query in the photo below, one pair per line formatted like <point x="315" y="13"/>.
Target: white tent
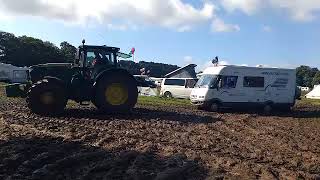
<point x="315" y="93"/>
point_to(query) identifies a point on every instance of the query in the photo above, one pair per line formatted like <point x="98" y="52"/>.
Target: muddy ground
<point x="158" y="142"/>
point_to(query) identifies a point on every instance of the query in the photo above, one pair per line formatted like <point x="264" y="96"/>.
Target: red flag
<point x="133" y="50"/>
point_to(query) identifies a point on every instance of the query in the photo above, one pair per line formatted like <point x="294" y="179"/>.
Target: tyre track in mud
<point x="241" y="145"/>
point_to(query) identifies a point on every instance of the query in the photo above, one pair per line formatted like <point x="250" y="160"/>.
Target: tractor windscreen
<point x="99" y="58"/>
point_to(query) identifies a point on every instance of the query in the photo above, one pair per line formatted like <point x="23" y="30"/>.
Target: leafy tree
<point x="27" y="51"/>
<point x="68" y="51"/>
<point x="305" y="75"/>
<point x="316" y="79"/>
<point x="9" y="44"/>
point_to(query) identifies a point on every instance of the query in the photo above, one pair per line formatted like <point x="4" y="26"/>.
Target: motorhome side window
<point x="229" y="81"/>
<point x="175" y="82"/>
<point x="250" y="81"/>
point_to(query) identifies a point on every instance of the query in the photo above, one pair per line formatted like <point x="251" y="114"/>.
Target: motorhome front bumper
<point x="197" y="100"/>
<point x="197" y="103"/>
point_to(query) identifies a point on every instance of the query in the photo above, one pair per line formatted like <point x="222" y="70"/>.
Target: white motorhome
<point x="13" y="74"/>
<point x="230" y="86"/>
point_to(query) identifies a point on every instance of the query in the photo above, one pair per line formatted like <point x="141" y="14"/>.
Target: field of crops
<point x="160" y="139"/>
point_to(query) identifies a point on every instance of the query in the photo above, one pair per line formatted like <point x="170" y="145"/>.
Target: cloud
<point x="266" y="28"/>
<point x="247" y="6"/>
<point x="173" y="14"/>
<point x="220" y="26"/>
<point x="224" y="63"/>
<point x="299" y="10"/>
<point x="121" y="27"/>
<point x="188" y="60"/>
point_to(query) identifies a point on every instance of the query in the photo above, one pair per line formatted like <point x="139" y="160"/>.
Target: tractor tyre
<point x="116" y="94"/>
<point x="46" y="98"/>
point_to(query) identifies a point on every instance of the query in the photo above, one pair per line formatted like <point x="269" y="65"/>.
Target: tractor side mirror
<point x="77" y="57"/>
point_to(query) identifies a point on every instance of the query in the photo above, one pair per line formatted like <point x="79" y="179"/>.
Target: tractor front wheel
<point x="46" y="98"/>
<point x="118" y="93"/>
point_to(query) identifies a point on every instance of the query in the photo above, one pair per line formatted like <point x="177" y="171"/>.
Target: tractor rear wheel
<point x="46" y="98"/>
<point x="118" y="93"/>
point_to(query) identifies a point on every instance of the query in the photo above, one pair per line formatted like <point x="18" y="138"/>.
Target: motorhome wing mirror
<point x="219" y="84"/>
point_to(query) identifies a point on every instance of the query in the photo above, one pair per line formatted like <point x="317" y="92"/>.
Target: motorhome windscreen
<point x="206" y="81"/>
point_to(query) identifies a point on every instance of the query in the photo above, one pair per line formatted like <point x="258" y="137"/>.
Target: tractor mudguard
<point x="56" y="80"/>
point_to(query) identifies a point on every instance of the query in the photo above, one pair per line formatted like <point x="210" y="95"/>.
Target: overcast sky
<point x="283" y="33"/>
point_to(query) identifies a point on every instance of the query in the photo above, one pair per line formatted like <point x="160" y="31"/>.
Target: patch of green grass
<point x="315" y="102"/>
<point x="160" y="101"/>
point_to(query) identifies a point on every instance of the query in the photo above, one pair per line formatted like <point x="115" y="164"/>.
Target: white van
<point x="230" y="86"/>
<point x="177" y="87"/>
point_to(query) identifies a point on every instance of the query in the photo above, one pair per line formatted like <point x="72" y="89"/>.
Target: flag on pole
<point x="132" y="51"/>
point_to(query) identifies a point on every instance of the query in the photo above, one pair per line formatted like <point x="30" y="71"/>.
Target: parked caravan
<point x="232" y="86"/>
<point x="177" y="87"/>
<point x="13" y="74"/>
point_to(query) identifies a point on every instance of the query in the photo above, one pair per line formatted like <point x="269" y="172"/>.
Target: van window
<point x="175" y="82"/>
<point x="190" y="83"/>
<point x="250" y="81"/>
<point x="229" y="81"/>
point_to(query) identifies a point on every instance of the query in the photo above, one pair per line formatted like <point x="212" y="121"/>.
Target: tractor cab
<point x="94" y="59"/>
<point x="90" y="56"/>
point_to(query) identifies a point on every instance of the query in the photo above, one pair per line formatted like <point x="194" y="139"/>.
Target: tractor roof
<point x="106" y="48"/>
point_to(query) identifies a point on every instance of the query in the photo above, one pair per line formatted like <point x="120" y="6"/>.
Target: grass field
<point x="160" y="101"/>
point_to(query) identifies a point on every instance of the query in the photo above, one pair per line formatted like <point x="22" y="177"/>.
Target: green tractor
<point x="94" y="76"/>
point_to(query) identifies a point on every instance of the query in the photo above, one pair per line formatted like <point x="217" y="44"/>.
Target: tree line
<point x="28" y="51"/>
<point x="307" y="76"/>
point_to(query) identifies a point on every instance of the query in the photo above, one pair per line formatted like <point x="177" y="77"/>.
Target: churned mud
<point x="158" y="142"/>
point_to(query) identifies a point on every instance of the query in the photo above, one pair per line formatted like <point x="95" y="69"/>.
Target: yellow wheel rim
<point x="116" y="94"/>
<point x="47" y="98"/>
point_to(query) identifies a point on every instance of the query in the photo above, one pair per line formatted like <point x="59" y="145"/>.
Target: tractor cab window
<point x="96" y="58"/>
<point x="90" y="59"/>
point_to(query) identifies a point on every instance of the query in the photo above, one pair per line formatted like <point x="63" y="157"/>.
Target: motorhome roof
<point x="218" y="69"/>
<point x="257" y="67"/>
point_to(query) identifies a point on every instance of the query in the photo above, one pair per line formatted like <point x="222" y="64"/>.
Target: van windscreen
<point x="206" y="81"/>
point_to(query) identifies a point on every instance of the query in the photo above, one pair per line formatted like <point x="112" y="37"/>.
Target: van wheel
<point x="214" y="107"/>
<point x="167" y="94"/>
<point x="267" y="109"/>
